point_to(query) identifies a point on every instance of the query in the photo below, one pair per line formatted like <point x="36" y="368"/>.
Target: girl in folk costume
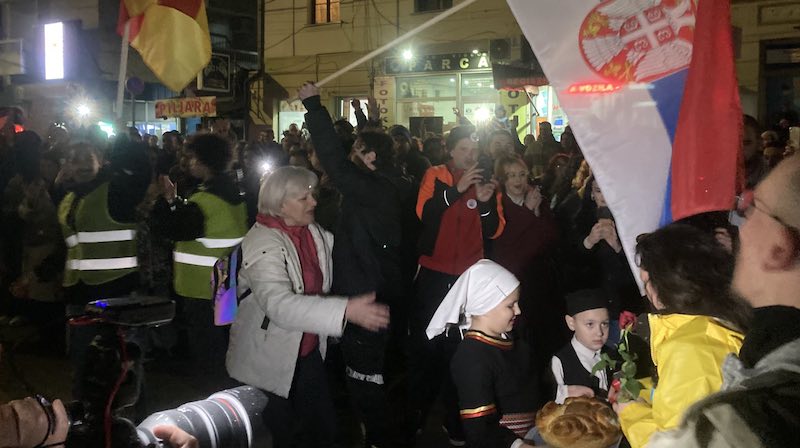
<point x="491" y="370"/>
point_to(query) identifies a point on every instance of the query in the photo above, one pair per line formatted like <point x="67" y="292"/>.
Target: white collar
<point x="582" y="351"/>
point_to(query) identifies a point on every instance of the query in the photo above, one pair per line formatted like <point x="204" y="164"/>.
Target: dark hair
<point x="28" y="150"/>
<point x="343" y="127"/>
<point x="212" y="150"/>
<point x="692" y="272"/>
<point x="383" y="147"/>
<point x="459" y="133"/>
<point x="433" y="149"/>
<point x="748" y="121"/>
<point x="399" y="130"/>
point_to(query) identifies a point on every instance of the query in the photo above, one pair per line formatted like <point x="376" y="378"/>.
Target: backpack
<point x="224" y="281"/>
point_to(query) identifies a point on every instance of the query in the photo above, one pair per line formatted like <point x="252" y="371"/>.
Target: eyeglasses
<point x="747" y="202"/>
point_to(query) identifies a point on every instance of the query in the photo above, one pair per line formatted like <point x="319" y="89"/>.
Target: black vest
<point x="577" y="375"/>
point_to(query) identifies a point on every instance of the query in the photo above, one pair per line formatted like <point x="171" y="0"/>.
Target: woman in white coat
<point x="278" y="340"/>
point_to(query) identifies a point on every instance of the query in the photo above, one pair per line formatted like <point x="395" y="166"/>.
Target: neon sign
<point x="594" y="87"/>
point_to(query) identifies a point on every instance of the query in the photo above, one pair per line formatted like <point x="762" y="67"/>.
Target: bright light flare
<point x="482" y="114"/>
<point x="54" y="51"/>
<point x="408" y="55"/>
<point x="83" y="110"/>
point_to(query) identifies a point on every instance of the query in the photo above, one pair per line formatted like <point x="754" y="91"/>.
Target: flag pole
<point x="123" y="68"/>
<point x="396" y="41"/>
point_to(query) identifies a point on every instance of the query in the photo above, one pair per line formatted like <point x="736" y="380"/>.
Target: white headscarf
<point x="479" y="289"/>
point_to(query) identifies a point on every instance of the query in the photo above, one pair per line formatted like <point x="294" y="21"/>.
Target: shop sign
<point x="201" y="106"/>
<point x="437" y="63"/>
<point x="385" y="96"/>
<point x="216" y="76"/>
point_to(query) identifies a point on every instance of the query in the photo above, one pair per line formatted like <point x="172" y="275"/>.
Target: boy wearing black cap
<point x="587" y="316"/>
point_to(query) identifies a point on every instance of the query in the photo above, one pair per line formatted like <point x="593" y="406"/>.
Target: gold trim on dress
<point x="486" y="339"/>
<point x="478" y="412"/>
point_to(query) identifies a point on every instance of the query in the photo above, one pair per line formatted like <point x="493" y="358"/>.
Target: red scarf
<point x="309" y="263"/>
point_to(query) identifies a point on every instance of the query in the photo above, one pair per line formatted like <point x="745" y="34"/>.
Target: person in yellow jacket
<point x="697" y="323"/>
<point x="205" y="227"/>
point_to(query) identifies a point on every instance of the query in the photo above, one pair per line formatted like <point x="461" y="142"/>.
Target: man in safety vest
<point x="97" y="218"/>
<point x="205" y="228"/>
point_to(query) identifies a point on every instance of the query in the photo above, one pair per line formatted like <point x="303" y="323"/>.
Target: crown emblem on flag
<point x="638" y="40"/>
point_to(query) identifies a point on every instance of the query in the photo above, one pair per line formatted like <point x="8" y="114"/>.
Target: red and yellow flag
<point x="171" y="35"/>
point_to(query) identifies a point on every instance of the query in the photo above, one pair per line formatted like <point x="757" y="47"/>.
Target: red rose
<point x="626" y="318"/>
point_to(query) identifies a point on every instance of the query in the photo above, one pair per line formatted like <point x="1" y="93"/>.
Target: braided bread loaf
<point x="579" y="423"/>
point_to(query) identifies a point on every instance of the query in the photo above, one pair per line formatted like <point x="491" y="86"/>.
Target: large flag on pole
<point x="651" y="95"/>
<point x="171" y="35"/>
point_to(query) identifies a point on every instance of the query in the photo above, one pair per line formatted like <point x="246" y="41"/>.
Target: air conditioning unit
<point x="508" y="49"/>
<point x="11" y="58"/>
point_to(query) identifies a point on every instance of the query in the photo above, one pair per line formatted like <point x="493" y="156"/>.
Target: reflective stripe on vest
<point x="102" y="264"/>
<point x="219" y="243"/>
<point x="99" y="248"/>
<point x="196" y="260"/>
<point x="107" y="236"/>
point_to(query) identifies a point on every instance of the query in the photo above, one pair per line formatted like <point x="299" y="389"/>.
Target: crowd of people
<point x="471" y="269"/>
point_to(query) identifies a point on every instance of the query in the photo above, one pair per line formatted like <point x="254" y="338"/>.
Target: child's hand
<point x="613" y="391"/>
<point x="619" y="407"/>
<point x="579" y="391"/>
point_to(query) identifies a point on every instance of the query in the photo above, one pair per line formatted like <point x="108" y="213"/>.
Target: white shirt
<point x="588" y="359"/>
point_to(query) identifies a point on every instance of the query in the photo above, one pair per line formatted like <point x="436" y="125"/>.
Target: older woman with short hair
<point x="278" y="340"/>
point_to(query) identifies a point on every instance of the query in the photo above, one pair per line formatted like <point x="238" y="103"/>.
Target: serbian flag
<point x="171" y="35"/>
<point x="651" y="95"/>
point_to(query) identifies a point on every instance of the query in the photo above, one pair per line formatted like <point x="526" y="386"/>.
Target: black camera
<point x="229" y="418"/>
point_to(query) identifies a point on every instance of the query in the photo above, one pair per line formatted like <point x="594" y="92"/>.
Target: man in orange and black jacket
<point x="460" y="210"/>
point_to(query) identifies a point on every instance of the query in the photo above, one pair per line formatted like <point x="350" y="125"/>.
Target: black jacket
<point x="185" y="221"/>
<point x="368" y="235"/>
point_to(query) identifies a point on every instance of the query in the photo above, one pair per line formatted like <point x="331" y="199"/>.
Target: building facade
<point x="767" y="46"/>
<point x="449" y="65"/>
<point x="422" y="80"/>
<point x="91" y="59"/>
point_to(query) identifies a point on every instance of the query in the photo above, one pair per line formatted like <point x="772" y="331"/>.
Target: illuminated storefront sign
<point x="203" y="106"/>
<point x="437" y="63"/>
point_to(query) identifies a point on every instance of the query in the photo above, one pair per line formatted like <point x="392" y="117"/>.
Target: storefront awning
<point x="517" y="75"/>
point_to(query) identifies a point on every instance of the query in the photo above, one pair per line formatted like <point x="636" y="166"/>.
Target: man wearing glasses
<point x="759" y="404"/>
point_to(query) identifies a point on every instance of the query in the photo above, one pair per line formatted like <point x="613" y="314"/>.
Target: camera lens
<point x="228" y="419"/>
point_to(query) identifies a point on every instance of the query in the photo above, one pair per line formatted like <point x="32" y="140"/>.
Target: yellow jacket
<point x="688" y="352"/>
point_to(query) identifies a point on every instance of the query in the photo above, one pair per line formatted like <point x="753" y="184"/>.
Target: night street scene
<point x="399" y="223"/>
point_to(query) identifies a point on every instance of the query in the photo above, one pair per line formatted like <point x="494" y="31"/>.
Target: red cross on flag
<point x="170" y="35"/>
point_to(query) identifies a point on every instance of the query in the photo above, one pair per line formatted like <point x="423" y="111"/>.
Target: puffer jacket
<point x="265" y="337"/>
<point x="688" y="352"/>
<point x="757" y="408"/>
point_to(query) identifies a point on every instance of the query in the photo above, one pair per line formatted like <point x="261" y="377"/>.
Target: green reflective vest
<point x="225" y="227"/>
<point x="99" y="249"/>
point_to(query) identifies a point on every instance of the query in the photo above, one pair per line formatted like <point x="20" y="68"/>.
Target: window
<point x="432" y="5"/>
<point x="326" y="11"/>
